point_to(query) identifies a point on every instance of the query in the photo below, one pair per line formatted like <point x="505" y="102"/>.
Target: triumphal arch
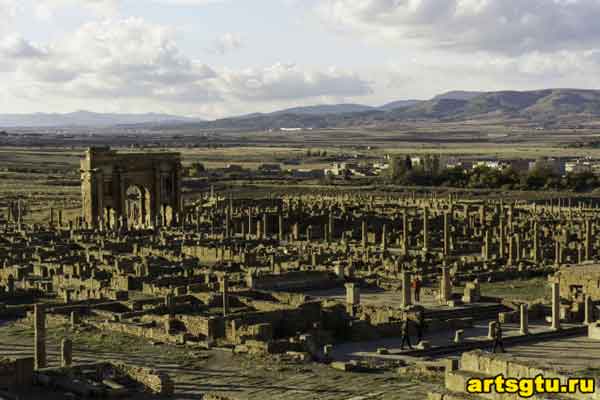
<point x="132" y="190"/>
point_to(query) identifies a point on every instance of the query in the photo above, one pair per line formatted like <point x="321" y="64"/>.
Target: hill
<point x="87" y="119"/>
<point x="545" y="107"/>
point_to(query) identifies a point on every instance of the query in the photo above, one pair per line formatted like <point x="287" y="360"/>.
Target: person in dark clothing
<point x="498" y="342"/>
<point x="416" y="286"/>
<point x="421" y="327"/>
<point x="405" y="335"/>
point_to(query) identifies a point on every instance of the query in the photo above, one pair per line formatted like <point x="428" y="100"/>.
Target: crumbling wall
<point x="155" y="381"/>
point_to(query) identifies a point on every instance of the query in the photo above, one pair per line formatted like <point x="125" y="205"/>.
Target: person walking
<point x="421" y="326"/>
<point x="417" y="289"/>
<point x="498" y="342"/>
<point x="405" y="335"/>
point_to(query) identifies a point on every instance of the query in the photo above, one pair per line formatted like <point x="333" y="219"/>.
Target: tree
<point x="196" y="169"/>
<point x="399" y="166"/>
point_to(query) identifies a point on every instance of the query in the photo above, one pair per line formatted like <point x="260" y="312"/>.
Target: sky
<point x="218" y="58"/>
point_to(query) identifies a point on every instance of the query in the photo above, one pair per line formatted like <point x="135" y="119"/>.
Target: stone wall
<point x="295" y="281"/>
<point x="155" y="381"/>
<point x="581" y="278"/>
<point x="285" y="323"/>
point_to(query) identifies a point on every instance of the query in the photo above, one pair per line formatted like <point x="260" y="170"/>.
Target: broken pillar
<point x="536" y="245"/>
<point x="405" y="243"/>
<point x="352" y="294"/>
<point x="425" y="229"/>
<point x="524" y="317"/>
<point x="588" y="240"/>
<point x="445" y="286"/>
<point x="225" y="292"/>
<point x="589" y="311"/>
<point x="39" y="318"/>
<point x="446" y="234"/>
<point x="66" y="353"/>
<point x="459" y="336"/>
<point x="492" y="329"/>
<point x="280" y="227"/>
<point x="364" y="233"/>
<point x="556" y="305"/>
<point x="406" y="295"/>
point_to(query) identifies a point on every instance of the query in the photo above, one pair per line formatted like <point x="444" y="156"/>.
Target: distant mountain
<point x="538" y="105"/>
<point x="398" y="104"/>
<point x="88" y="119"/>
<point x="325" y="109"/>
<point x="457" y="95"/>
<point x="549" y="106"/>
<point x="545" y="107"/>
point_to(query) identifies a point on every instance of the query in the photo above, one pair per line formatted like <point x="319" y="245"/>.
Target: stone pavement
<point x="249" y="379"/>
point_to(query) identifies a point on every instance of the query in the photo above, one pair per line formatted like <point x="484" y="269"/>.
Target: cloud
<point x="226" y="43"/>
<point x="505" y="26"/>
<point x="189" y="2"/>
<point x="427" y="77"/>
<point x="125" y="58"/>
<point x="286" y="81"/>
<point x="8" y="9"/>
<point x="46" y="9"/>
<point x="133" y="61"/>
<point x="15" y="46"/>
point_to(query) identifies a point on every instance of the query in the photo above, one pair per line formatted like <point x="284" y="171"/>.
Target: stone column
<point x="536" y="235"/>
<point x="445" y="286"/>
<point x="589" y="310"/>
<point x="556" y="305"/>
<point x="557" y="252"/>
<point x="331" y="226"/>
<point x="446" y="234"/>
<point x="486" y="246"/>
<point x="511" y="250"/>
<point x="225" y="291"/>
<point x="340" y="271"/>
<point x="501" y="237"/>
<point x="66" y="353"/>
<point x="259" y="230"/>
<point x="517" y="238"/>
<point x="482" y="215"/>
<point x="74" y="319"/>
<point x="588" y="240"/>
<point x="19" y="215"/>
<point x="352" y="294"/>
<point x="280" y="224"/>
<point x="250" y="229"/>
<point x="404" y="233"/>
<point x="492" y="329"/>
<point x="425" y="229"/>
<point x="39" y="318"/>
<point x="227" y="226"/>
<point x="265" y="226"/>
<point x="406" y="294"/>
<point x="524" y="314"/>
<point x="364" y="234"/>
